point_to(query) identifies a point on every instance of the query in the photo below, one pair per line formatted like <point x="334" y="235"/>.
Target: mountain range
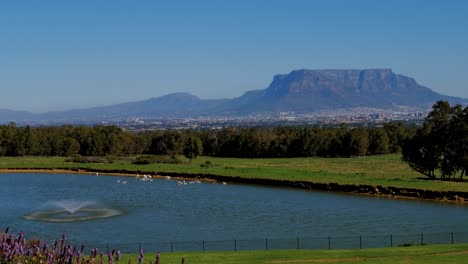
<point x="299" y="91"/>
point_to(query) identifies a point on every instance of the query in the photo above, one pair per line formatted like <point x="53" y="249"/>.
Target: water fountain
<point x="72" y="211"/>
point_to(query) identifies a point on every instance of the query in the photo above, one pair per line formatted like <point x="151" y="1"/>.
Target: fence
<point x="330" y="242"/>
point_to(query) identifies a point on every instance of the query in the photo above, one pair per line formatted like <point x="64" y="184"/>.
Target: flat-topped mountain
<point x="311" y="90"/>
<point x="299" y="91"/>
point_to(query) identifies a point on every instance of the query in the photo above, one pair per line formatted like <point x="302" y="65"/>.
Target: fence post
<point x="452" y="238"/>
<point x="422" y="239"/>
<point x="235" y="245"/>
<point x="360" y="241"/>
<point x="329" y="242"/>
<point x="391" y="240"/>
<point x="203" y="245"/>
<point x="297" y="243"/>
<point x="266" y="243"/>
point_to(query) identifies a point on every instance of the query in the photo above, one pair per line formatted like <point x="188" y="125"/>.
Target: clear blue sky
<point x="57" y="55"/>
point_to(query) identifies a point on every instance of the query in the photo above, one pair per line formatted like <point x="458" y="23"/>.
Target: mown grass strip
<point x="417" y="254"/>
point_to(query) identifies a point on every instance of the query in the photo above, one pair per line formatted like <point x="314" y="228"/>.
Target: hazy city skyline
<point x="61" y="55"/>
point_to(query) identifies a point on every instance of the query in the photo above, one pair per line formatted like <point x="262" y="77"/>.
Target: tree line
<point x="341" y="141"/>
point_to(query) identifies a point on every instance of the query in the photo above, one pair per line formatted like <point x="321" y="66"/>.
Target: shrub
<point x="81" y="159"/>
<point x="144" y="160"/>
<point x="207" y="164"/>
<point x="406" y="245"/>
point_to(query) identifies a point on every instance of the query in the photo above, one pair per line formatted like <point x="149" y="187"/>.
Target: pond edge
<point x="362" y="189"/>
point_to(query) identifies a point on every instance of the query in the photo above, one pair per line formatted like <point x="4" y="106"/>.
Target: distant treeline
<point x="231" y="142"/>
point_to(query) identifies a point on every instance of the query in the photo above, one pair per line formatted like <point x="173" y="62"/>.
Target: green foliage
<point x="279" y="142"/>
<point x="379" y="142"/>
<point x="207" y="164"/>
<point x="144" y="160"/>
<point x="441" y="145"/>
<point x="193" y="147"/>
<point x="81" y="159"/>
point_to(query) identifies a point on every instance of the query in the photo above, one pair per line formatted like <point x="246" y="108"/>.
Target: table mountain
<point x="311" y="90"/>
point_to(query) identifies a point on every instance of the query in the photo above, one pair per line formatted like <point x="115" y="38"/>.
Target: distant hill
<point x="171" y="105"/>
<point x="299" y="91"/>
<point x="11" y="115"/>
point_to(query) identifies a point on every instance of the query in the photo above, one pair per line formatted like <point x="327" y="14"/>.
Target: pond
<point x="128" y="211"/>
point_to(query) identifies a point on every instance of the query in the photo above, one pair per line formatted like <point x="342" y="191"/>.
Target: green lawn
<point x="385" y="170"/>
<point x="416" y="254"/>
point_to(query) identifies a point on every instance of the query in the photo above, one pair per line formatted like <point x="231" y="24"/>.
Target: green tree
<point x="420" y="155"/>
<point x="379" y="141"/>
<point x="397" y="134"/>
<point x="359" y="142"/>
<point x="70" y="147"/>
<point x="441" y="145"/>
<point x="193" y="147"/>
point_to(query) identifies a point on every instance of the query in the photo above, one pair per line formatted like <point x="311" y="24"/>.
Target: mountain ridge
<point x="300" y="90"/>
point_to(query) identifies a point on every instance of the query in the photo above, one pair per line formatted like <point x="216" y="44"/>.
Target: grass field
<point x="385" y="170"/>
<point x="416" y="254"/>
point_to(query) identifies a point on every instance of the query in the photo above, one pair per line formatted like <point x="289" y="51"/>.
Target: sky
<point x="57" y="55"/>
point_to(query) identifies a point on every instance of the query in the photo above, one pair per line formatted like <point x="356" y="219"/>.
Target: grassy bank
<point x="417" y="254"/>
<point x="386" y="170"/>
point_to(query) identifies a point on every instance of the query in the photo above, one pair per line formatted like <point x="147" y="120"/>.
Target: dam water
<point x="125" y="210"/>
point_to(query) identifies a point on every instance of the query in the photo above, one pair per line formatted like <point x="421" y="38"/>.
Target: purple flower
<point x="141" y="256"/>
<point x="158" y="255"/>
<point x="50" y="258"/>
<point x="28" y="251"/>
<point x="21" y="250"/>
<point x="44" y="248"/>
<point x="62" y="242"/>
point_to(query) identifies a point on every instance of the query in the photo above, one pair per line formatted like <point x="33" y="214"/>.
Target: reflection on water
<point x="81" y="214"/>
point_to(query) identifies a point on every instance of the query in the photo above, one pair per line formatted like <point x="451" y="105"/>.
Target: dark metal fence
<point x="330" y="242"/>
